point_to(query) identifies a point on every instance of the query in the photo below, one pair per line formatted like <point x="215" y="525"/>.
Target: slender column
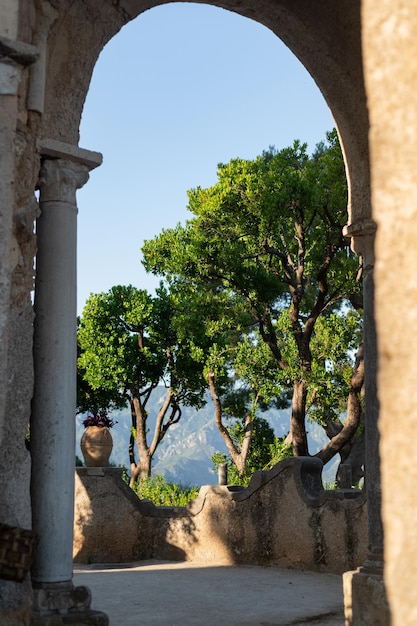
<point x="52" y="427"/>
<point x="365" y="601"/>
<point x="374" y="561"/>
<point x="45" y="17"/>
<point x="54" y="400"/>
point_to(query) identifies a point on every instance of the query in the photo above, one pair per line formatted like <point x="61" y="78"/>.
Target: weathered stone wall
<point x="18" y="173"/>
<point x="284" y="518"/>
<point x="390" y="61"/>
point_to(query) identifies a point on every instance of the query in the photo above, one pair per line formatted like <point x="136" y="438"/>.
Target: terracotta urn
<point x="96" y="446"/>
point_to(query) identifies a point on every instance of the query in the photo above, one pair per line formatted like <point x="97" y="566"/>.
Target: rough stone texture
<point x="390" y="49"/>
<point x="16" y="281"/>
<point x="14" y="509"/>
<point x="283" y="518"/>
<point x="364" y="596"/>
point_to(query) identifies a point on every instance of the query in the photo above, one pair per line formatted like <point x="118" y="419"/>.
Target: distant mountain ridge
<point x="184" y="455"/>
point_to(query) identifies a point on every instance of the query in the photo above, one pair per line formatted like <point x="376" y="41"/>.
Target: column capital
<point x="59" y="180"/>
<point x="53" y="149"/>
<point x="65" y="168"/>
<point x="362" y="234"/>
<point x="360" y="227"/>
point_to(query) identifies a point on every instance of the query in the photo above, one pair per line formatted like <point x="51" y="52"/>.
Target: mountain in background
<point x="184" y="455"/>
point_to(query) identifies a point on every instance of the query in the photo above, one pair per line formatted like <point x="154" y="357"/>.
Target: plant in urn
<point x="97" y="442"/>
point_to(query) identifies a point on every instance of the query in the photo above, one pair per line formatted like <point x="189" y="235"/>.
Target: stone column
<point x="52" y="427"/>
<point x="45" y="17"/>
<point x="365" y="600"/>
<point x="54" y="399"/>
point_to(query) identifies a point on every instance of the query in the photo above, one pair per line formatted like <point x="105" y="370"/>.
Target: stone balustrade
<point x="283" y="518"/>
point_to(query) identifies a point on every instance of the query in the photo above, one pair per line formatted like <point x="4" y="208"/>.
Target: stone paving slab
<point x="192" y="594"/>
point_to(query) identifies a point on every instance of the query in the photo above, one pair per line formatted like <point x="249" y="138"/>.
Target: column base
<point x="365" y="598"/>
<point x="56" y="604"/>
<point x="88" y="618"/>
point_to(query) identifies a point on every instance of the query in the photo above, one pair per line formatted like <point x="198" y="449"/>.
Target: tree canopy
<point x="128" y="346"/>
<point x="268" y="236"/>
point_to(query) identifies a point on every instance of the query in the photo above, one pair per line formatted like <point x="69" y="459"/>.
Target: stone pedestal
<point x="62" y="603"/>
<point x="365" y="599"/>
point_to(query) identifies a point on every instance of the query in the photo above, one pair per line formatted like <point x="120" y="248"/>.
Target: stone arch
<point x="325" y="37"/>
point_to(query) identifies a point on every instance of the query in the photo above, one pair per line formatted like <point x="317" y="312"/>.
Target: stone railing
<point x="283" y="518"/>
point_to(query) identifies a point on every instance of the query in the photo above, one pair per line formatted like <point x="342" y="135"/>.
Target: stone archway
<point x="69" y="35"/>
<point x="326" y="38"/>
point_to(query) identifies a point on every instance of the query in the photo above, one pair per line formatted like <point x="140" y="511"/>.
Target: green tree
<point x="265" y="451"/>
<point x="270" y="234"/>
<point x="249" y="380"/>
<point x="243" y="379"/>
<point x="127" y="347"/>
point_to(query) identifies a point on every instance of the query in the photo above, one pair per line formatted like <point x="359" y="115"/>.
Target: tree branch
<point x="159" y="421"/>
<point x="353" y="414"/>
<point x="218" y="415"/>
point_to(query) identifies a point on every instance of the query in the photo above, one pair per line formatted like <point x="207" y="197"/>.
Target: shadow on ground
<point x="190" y="594"/>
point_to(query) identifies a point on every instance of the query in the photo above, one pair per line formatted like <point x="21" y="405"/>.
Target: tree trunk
<point x="238" y="458"/>
<point x="354" y="413"/>
<point x="352" y="454"/>
<point x="297" y="435"/>
<point x="355" y="459"/>
<point x="142" y="469"/>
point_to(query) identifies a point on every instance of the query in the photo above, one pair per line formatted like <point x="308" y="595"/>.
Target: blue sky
<point x="179" y="90"/>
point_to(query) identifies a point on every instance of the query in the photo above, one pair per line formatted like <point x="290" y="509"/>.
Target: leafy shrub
<point x="164" y="493"/>
<point x="266" y="451"/>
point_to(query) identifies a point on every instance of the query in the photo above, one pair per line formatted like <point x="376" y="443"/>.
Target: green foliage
<point x="334" y="485"/>
<point x="110" y="331"/>
<point x="164" y="493"/>
<point x="265" y="229"/>
<point x="336" y="338"/>
<point x="280" y="450"/>
<point x="267" y="241"/>
<point x="128" y="345"/>
<point x="128" y="341"/>
<point x="247" y="375"/>
<point x="265" y="452"/>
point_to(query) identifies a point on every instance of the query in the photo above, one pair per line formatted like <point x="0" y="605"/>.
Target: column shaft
<point x="55" y="352"/>
<point x="364" y="591"/>
<point x="372" y="457"/>
<point x="52" y="427"/>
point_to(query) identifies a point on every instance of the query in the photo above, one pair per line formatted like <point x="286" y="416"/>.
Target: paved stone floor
<point x="192" y="594"/>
